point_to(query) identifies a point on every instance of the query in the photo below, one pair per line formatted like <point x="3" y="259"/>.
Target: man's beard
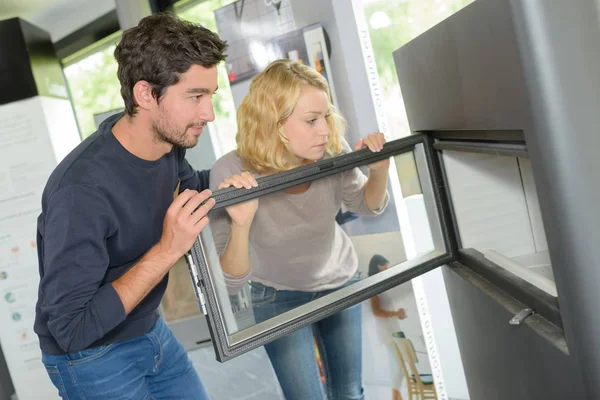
<point x="168" y="134"/>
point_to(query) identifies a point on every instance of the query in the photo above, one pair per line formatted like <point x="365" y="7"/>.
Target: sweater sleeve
<point x="81" y="307"/>
<point x="353" y="184"/>
<point x="189" y="177"/>
<point x="220" y="222"/>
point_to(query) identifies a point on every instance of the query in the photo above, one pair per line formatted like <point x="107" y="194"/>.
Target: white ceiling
<point x="58" y="17"/>
<point x="26" y="8"/>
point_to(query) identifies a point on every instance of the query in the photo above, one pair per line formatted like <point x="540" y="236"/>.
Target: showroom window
<point x="91" y="75"/>
<point x="393" y="23"/>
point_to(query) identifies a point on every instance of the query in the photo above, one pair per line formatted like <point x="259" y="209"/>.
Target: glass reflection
<point x="285" y="250"/>
<point x="179" y="302"/>
<point x="363" y="237"/>
<point x="251" y="301"/>
<point x="254" y="296"/>
<point x="302" y="246"/>
<point x="394" y="348"/>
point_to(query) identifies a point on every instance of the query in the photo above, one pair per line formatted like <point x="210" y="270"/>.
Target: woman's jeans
<point x="151" y="366"/>
<point x="293" y="357"/>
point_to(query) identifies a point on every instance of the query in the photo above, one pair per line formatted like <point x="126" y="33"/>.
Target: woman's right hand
<point x="241" y="214"/>
<point x="401" y="314"/>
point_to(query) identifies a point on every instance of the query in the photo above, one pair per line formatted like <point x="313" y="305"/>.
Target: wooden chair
<point x="420" y="386"/>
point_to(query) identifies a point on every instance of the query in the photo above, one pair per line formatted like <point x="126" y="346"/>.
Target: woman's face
<point x="384" y="266"/>
<point x="306" y="128"/>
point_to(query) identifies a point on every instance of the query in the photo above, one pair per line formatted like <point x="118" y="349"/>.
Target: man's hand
<point x="182" y="224"/>
<point x="241" y="214"/>
<point x="181" y="227"/>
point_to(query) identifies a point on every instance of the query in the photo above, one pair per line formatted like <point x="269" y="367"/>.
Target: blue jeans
<point x="151" y="366"/>
<point x="338" y="339"/>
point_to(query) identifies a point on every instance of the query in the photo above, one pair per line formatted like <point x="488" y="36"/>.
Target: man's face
<point x="186" y="107"/>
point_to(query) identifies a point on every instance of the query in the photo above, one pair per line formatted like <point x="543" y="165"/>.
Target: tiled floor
<point x="249" y="376"/>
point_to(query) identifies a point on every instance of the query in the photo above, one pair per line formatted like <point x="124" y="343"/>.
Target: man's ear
<point x="142" y="94"/>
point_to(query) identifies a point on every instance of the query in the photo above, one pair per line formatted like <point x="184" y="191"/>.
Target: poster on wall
<point x="25" y="163"/>
<point x="317" y="48"/>
<point x="33" y="134"/>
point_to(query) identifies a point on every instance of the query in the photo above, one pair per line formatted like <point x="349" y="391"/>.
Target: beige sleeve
<point x="353" y="185"/>
<point x="220" y="222"/>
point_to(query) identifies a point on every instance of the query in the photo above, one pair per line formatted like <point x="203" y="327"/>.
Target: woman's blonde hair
<point x="271" y="99"/>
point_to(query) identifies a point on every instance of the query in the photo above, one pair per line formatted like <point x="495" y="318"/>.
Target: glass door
<point x="236" y="320"/>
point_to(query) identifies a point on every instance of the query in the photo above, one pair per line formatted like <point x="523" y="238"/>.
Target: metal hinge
<point x="521" y="316"/>
<point x="201" y="298"/>
<point x="197" y="283"/>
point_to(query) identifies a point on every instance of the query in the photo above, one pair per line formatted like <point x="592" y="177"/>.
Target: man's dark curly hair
<point x="159" y="49"/>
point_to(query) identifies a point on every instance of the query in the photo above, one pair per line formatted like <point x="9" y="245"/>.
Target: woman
<point x="290" y="247"/>
<point x="386" y="317"/>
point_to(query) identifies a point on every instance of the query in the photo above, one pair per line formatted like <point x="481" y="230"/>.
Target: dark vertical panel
<point x="504" y="361"/>
<point x="529" y="65"/>
<point x="561" y="55"/>
<point x="45" y="66"/>
<point x="28" y="63"/>
<point x="6" y="385"/>
<point x="465" y="72"/>
<point x="16" y="77"/>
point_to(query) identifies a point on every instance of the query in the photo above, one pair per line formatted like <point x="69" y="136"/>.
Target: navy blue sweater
<point x="102" y="210"/>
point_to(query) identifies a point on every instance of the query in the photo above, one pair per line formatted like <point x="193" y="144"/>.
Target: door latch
<point x="521" y="316"/>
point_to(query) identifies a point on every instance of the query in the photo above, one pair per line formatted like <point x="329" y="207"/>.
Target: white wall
<point x="352" y="87"/>
<point x="28" y="127"/>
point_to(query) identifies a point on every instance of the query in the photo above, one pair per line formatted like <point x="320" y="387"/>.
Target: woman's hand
<point x="401" y="313"/>
<point x="241" y="214"/>
<point x="374" y="142"/>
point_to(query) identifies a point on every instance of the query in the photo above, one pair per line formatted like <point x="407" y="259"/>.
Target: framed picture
<point x="251" y="28"/>
<point x="260" y="32"/>
<point x="318" y="49"/>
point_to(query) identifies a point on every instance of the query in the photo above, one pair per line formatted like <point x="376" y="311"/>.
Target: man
<point x="110" y="229"/>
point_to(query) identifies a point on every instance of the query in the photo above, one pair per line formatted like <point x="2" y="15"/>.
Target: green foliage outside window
<point x="393" y="23"/>
<point x="225" y="126"/>
<point x="95" y="88"/>
<point x="94" y="85"/>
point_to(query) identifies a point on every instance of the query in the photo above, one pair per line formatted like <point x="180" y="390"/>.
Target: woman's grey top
<point x="295" y="242"/>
